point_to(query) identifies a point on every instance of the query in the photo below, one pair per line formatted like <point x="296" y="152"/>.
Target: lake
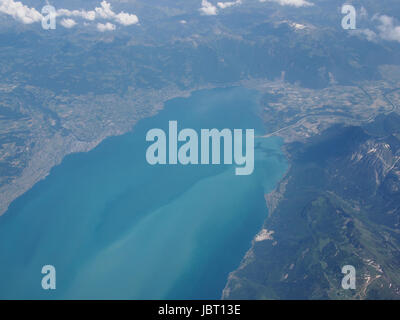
<point x="116" y="227"/>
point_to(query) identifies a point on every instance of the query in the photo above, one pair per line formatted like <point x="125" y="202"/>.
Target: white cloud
<point x="87" y="15"/>
<point x="123" y="18"/>
<point x="126" y="19"/>
<point x="103" y="12"/>
<point x="294" y="3"/>
<point x="68" y="23"/>
<point x="105" y="27"/>
<point x="20" y="11"/>
<point x="26" y="15"/>
<point x="223" y="5"/>
<point x="208" y="9"/>
<point x="387" y="29"/>
<point x="365" y="33"/>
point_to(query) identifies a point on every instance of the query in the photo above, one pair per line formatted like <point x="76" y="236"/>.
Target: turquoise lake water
<point x="116" y="227"/>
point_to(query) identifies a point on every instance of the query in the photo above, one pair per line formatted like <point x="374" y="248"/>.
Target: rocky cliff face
<point x="340" y="205"/>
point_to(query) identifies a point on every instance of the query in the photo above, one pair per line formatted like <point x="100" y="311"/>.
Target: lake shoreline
<point x="38" y="168"/>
